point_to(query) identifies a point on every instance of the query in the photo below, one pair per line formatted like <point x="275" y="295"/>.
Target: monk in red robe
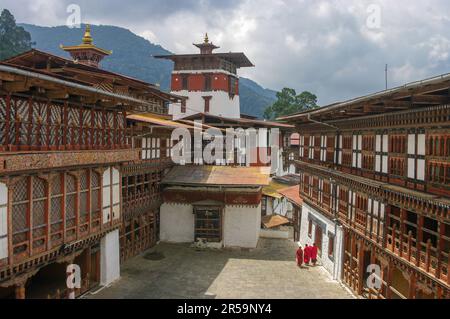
<point x="313" y="253"/>
<point x="307" y="254"/>
<point x="299" y="256"/>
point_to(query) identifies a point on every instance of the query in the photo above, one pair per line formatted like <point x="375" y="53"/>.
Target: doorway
<point x="318" y="239"/>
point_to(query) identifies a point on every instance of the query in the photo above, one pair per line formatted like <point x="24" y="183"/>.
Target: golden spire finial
<point x="87" y="39"/>
<point x="206" y="38"/>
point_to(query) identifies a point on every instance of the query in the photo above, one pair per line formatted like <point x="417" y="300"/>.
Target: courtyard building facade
<point x="374" y="179"/>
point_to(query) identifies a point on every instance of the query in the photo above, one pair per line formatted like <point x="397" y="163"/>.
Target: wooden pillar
<point x="402" y="229"/>
<point x="360" y="266"/>
<point x="440" y="247"/>
<point x="20" y="291"/>
<point x="412" y="286"/>
<point x="419" y="240"/>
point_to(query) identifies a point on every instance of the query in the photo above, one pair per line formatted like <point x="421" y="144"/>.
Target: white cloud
<point x="322" y="46"/>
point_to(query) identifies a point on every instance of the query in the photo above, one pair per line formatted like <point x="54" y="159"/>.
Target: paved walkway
<point x="182" y="272"/>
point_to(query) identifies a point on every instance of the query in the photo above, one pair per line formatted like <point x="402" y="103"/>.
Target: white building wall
<point x="177" y="223"/>
<point x="110" y="258"/>
<point x="241" y="226"/>
<point x="332" y="265"/>
<point x="221" y="104"/>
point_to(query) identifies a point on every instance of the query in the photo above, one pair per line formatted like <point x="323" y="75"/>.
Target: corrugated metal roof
<point x="216" y="176"/>
<point x="272" y="190"/>
<point x="292" y="194"/>
<point x="273" y="221"/>
<point x="147" y="118"/>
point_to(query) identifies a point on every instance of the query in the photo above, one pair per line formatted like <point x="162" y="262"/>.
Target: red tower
<point x="209" y="80"/>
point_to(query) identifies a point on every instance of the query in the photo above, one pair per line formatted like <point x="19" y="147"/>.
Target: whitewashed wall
<point x="241" y="226"/>
<point x="3" y="221"/>
<point x="220" y="105"/>
<point x="110" y="258"/>
<point x="333" y="266"/>
<point x="177" y="223"/>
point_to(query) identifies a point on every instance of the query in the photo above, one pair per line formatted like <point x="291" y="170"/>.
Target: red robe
<point x="307" y="254"/>
<point x="299" y="257"/>
<point x="313" y="252"/>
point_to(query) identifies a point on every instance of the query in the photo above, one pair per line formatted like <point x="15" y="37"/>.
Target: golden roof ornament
<point x="206" y="38"/>
<point x="87" y="38"/>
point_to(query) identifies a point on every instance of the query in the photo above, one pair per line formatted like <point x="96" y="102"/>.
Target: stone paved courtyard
<point x="182" y="272"/>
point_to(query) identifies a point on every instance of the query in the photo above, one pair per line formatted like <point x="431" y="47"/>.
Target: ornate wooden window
<point x="323" y="148"/>
<point x="111" y="195"/>
<point x="338" y="149"/>
<point x="39" y="218"/>
<point x="311" y="147"/>
<point x="71" y="206"/>
<point x="4" y="251"/>
<point x="351" y="212"/>
<point x="356" y="151"/>
<point x="208" y="223"/>
<point x="416" y="156"/>
<point x="375" y="218"/>
<point x="20" y="219"/>
<point x="207" y="101"/>
<point x="381" y="153"/>
<point x="56" y="210"/>
<point x="84" y="220"/>
<point x="302" y="146"/>
<point x="95" y="200"/>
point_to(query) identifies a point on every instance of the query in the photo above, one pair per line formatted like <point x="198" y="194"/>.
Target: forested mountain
<point x="133" y="56"/>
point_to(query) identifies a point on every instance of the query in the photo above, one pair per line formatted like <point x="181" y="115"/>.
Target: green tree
<point x="288" y="102"/>
<point x="13" y="39"/>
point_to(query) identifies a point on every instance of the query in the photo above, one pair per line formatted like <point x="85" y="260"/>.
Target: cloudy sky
<point x="336" y="49"/>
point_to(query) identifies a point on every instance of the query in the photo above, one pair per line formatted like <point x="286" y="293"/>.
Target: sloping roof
<point x="414" y="94"/>
<point x="273" y="221"/>
<point x="237" y="58"/>
<point x="239" y="121"/>
<point x="69" y="70"/>
<point x="288" y="180"/>
<point x="216" y="176"/>
<point x="151" y="119"/>
<point x="292" y="194"/>
<point x="272" y="190"/>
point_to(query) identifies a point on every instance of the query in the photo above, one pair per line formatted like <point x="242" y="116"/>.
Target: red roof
<point x="292" y="194"/>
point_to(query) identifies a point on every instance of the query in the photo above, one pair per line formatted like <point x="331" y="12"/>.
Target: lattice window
<point x="84" y="196"/>
<point x="57" y="202"/>
<point x="20" y="205"/>
<point x="95" y="196"/>
<point x="71" y="198"/>
<point x="39" y="211"/>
